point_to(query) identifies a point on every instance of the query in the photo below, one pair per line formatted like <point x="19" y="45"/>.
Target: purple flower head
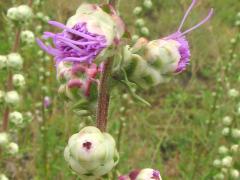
<point x="87" y="35"/>
<point x="142" y="174"/>
<point x="156" y="175"/>
<point x="179" y="36"/>
<point x="47" y="102"/>
<point x="75" y="44"/>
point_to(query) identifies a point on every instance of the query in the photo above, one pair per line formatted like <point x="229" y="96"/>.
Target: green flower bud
<point x="18" y="80"/>
<point x="147" y="4"/>
<point x="12" y="98"/>
<point x="91" y="153"/>
<point x="144" y="31"/>
<point x="137" y="10"/>
<point x="140" y="22"/>
<point x="16" y="118"/>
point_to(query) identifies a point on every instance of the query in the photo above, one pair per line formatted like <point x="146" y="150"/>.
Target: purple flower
<point x="86" y="36"/>
<point x="142" y="174"/>
<point x="179" y="36"/>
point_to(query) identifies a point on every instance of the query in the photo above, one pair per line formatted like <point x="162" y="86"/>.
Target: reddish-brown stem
<point x="9" y="81"/>
<point x="104" y="95"/>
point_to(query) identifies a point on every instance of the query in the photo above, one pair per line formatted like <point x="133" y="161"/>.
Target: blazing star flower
<point x="172" y="53"/>
<point x="144" y="174"/>
<point x="91" y="153"/>
<point x="86" y="37"/>
<point x="47" y="102"/>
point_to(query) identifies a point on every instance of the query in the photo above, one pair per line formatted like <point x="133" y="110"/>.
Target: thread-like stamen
<point x="186" y="15"/>
<point x="62" y="26"/>
<point x="199" y="24"/>
<point x="76" y="59"/>
<point x="48" y="49"/>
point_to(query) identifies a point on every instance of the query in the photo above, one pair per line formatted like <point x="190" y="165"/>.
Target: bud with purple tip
<point x="91" y="153"/>
<point x="144" y="174"/>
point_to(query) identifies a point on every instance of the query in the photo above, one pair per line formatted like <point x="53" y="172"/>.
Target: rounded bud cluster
<point x="219" y="176"/>
<point x="12" y="98"/>
<point x="27" y="37"/>
<point x="12" y="148"/>
<point x="236" y="133"/>
<point x="234" y="173"/>
<point x="3" y="62"/>
<point x="18" y="80"/>
<point x="233" y="93"/>
<point x="137" y="10"/>
<point x="20" y="13"/>
<point x="3" y="138"/>
<point x="222" y="150"/>
<point x="91" y="153"/>
<point x="227" y="120"/>
<point x="217" y="163"/>
<point x="144" y="174"/>
<point x="15" y="61"/>
<point x="16" y="118"/>
<point x="227" y="161"/>
<point x="147" y="4"/>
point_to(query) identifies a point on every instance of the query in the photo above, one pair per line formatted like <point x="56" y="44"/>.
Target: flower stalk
<point x="104" y="91"/>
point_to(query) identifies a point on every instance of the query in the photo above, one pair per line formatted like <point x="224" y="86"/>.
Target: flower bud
<point x="14" y="61"/>
<point x="3" y="62"/>
<point x="13" y="13"/>
<point x="140" y="22"/>
<point x="27" y="37"/>
<point x="144" y="174"/>
<point x="234" y="173"/>
<point x="25" y="12"/>
<point x="235" y="148"/>
<point x="217" y="163"/>
<point x="91" y="153"/>
<point x="227" y="120"/>
<point x="219" y="176"/>
<point x="12" y="98"/>
<point x="16" y="118"/>
<point x="137" y="10"/>
<point x="233" y="93"/>
<point x="144" y="31"/>
<point x="222" y="150"/>
<point x="225" y="131"/>
<point x="227" y="161"/>
<point x="3" y="138"/>
<point x="147" y="4"/>
<point x="47" y="102"/>
<point x="18" y="80"/>
<point x="236" y="133"/>
<point x="3" y="177"/>
<point x="12" y="148"/>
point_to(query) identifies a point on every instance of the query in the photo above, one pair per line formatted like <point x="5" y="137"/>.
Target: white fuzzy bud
<point x="225" y="131"/>
<point x="27" y="37"/>
<point x="234" y="173"/>
<point x="3" y="138"/>
<point x="222" y="150"/>
<point x="13" y="13"/>
<point x="227" y="120"/>
<point x="15" y="61"/>
<point x="217" y="163"/>
<point x="235" y="148"/>
<point x="91" y="153"/>
<point x="219" y="176"/>
<point x="12" y="98"/>
<point x="3" y="62"/>
<point x="227" y="161"/>
<point x="236" y="133"/>
<point x="16" y="118"/>
<point x="18" y="80"/>
<point x="140" y="22"/>
<point x="147" y="4"/>
<point x="25" y="12"/>
<point x="233" y="93"/>
<point x="12" y="148"/>
<point x="144" y="31"/>
<point x="3" y="177"/>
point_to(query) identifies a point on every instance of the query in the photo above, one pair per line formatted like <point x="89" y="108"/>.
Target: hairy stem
<point x="9" y="81"/>
<point x="104" y="91"/>
<point x="103" y="96"/>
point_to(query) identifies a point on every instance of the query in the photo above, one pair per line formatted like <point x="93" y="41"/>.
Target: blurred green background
<point x="179" y="135"/>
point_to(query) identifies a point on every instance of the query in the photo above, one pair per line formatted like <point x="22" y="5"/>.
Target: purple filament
<point x="75" y="44"/>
